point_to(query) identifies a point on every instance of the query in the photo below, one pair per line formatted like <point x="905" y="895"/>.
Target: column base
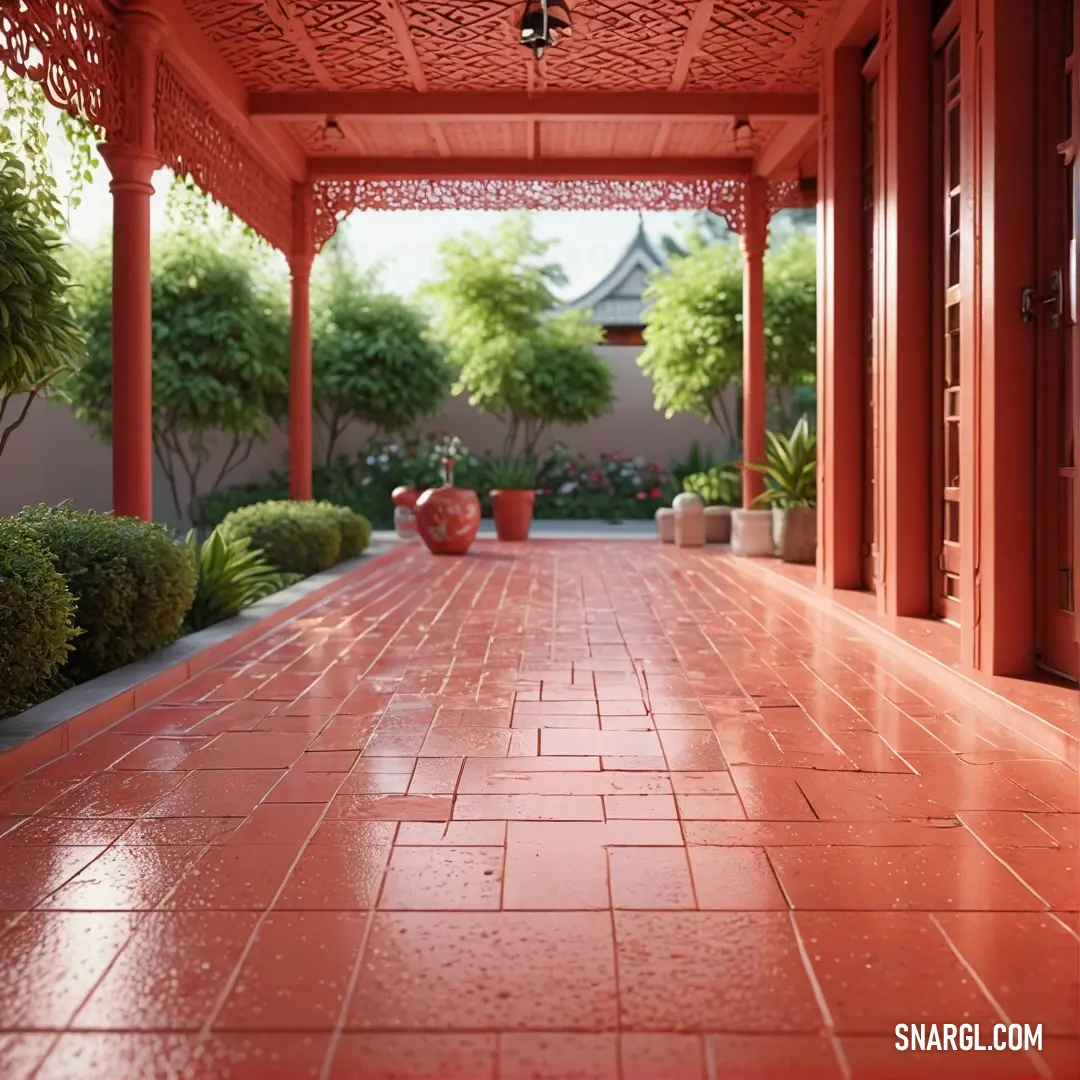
<point x="752" y="533"/>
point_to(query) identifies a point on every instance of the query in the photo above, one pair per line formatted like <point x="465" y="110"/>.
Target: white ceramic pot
<point x="752" y="533"/>
<point x="689" y="520"/>
<point x="665" y="525"/>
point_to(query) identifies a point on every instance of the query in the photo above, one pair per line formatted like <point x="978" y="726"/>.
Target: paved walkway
<point x="572" y="809"/>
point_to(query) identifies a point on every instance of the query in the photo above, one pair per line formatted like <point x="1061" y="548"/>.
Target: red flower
<point x="655" y="493"/>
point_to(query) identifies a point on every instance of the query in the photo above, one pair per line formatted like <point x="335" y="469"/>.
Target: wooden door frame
<point x="1055" y="637"/>
<point x="872" y="300"/>
<point x="946" y="30"/>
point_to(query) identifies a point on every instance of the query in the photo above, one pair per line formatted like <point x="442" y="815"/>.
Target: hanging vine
<point x="24" y="131"/>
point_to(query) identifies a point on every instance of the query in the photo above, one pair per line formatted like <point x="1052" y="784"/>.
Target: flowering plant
<point x="447" y="454"/>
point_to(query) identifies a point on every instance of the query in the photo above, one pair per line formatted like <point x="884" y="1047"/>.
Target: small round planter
<point x="665" y="525"/>
<point x="404" y="500"/>
<point x="448" y="519"/>
<point x="795" y="533"/>
<point x="689" y="520"/>
<point x="717" y="524"/>
<point x="512" y="510"/>
<point x="752" y="533"/>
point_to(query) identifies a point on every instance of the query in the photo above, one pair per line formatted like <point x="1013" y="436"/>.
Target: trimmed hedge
<point x="355" y="529"/>
<point x="37" y="619"/>
<point x="299" y="537"/>
<point x="133" y="584"/>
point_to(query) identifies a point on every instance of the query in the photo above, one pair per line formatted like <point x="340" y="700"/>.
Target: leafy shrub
<point x="719" y="486"/>
<point x="37" y="618"/>
<point x="132" y="581"/>
<point x="296" y="537"/>
<point x="355" y="529"/>
<point x="232" y="575"/>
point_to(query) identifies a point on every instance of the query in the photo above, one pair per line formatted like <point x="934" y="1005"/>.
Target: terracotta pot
<point x="717" y="524"/>
<point x="512" y="511"/>
<point x="404" y="496"/>
<point x="448" y="519"/>
<point x="795" y="533"/>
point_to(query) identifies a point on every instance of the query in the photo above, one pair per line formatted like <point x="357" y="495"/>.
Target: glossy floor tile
<point x="557" y="810"/>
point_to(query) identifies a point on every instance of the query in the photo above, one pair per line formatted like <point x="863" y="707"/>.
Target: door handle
<point x="1054" y="300"/>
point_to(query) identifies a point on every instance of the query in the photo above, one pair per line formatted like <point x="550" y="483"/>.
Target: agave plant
<point x="231" y="576"/>
<point x="718" y="486"/>
<point x="512" y="474"/>
<point x="790" y="469"/>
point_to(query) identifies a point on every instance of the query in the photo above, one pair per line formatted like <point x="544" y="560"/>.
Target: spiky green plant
<point x="231" y="576"/>
<point x="512" y="474"/>
<point x="790" y="470"/>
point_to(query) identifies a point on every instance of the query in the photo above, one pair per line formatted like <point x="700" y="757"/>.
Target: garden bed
<point x="43" y="732"/>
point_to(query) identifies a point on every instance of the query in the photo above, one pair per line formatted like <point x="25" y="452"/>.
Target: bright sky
<point x="405" y="242"/>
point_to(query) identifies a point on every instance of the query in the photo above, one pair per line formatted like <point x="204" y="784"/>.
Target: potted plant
<point x="720" y="489"/>
<point x="791" y="475"/>
<point x="513" y="495"/>
<point x="447" y="517"/>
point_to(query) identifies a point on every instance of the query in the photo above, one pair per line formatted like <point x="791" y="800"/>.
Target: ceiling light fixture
<point x="743" y="133"/>
<point x="544" y="23"/>
<point x="332" y="131"/>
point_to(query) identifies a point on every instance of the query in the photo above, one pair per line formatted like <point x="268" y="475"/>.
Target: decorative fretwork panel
<point x="336" y="199"/>
<point x="765" y="45"/>
<point x="355" y="44"/>
<point x="620" y="46"/>
<point x="616" y="45"/>
<point x="70" y="47"/>
<point x="468" y="44"/>
<point x="255" y="47"/>
<point x="194" y="141"/>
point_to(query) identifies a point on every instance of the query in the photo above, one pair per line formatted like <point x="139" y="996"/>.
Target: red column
<point x="754" y="238"/>
<point x="300" y="398"/>
<point x="999" y="462"/>
<point x="132" y="158"/>
<point x="904" y="540"/>
<point x="840" y="323"/>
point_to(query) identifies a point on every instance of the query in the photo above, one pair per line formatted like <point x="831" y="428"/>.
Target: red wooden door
<point x="1052" y="312"/>
<point x="946" y="292"/>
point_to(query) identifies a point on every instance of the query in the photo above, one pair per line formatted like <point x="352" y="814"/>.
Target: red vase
<point x="404" y="496"/>
<point x="448" y="519"/>
<point x="512" y="511"/>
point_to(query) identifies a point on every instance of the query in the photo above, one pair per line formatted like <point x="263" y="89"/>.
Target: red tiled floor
<point x="561" y="810"/>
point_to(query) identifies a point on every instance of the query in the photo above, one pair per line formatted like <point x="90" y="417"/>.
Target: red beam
<point x="395" y="105"/>
<point x="492" y="168"/>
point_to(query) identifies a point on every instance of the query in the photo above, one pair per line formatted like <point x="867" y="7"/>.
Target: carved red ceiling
<point x="436" y="45"/>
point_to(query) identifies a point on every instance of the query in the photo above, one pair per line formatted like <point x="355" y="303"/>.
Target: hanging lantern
<point x="544" y="23"/>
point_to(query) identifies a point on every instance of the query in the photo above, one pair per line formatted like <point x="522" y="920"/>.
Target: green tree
<point x="516" y="355"/>
<point x="39" y="337"/>
<point x="693" y="327"/>
<point x="373" y="356"/>
<point x="693" y="332"/>
<point x="220" y="355"/>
